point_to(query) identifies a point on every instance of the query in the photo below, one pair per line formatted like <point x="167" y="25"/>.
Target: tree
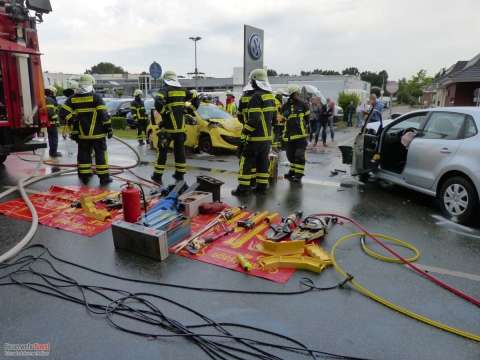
<point x="106" y="68"/>
<point x="410" y="91"/>
<point x="351" y="71"/>
<point x="319" y="72"/>
<point x="271" y="72"/>
<point x="375" y="79"/>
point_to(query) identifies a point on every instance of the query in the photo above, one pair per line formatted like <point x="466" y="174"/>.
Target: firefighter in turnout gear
<point x="257" y="135"/>
<point x="91" y="124"/>
<point x="170" y="103"/>
<point x="52" y="129"/>
<point x="242" y="114"/>
<point x="140" y="116"/>
<point x="278" y="124"/>
<point x="295" y="133"/>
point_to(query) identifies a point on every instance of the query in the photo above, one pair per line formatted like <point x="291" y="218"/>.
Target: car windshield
<point x="112" y="105"/>
<point x="149" y="103"/>
<point x="212" y="112"/>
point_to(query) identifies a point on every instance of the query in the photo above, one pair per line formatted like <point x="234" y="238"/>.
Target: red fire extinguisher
<point x="132" y="209"/>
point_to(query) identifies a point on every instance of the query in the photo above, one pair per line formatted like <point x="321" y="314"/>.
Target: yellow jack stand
<point x="88" y="205"/>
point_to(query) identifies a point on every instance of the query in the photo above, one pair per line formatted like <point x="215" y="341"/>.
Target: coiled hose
<point x="366" y="292"/>
<point x="22" y="183"/>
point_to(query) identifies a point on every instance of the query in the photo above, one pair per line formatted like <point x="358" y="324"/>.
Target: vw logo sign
<point x="255" y="47"/>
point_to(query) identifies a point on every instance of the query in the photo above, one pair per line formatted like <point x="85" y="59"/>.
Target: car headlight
<point x="215" y="125"/>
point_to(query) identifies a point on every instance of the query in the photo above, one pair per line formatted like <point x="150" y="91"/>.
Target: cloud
<point x="399" y="36"/>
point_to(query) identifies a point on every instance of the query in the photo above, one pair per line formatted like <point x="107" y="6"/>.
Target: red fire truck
<point x="22" y="104"/>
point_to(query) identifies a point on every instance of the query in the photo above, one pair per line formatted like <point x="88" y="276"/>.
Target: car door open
<point x="433" y="148"/>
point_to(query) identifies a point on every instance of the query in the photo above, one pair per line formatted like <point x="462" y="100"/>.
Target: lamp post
<point x="195" y="73"/>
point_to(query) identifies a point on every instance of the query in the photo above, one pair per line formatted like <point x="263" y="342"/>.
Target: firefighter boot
<point x="178" y="176"/>
<point x="105" y="179"/>
<point x="157" y="178"/>
<point x="242" y="190"/>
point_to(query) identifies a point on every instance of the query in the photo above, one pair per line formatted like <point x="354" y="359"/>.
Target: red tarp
<point x="220" y="253"/>
<point x="54" y="210"/>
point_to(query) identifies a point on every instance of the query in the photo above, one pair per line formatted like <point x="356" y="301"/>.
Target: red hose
<point x="407" y="263"/>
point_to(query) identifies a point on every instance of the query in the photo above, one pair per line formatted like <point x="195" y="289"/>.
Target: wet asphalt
<point x="339" y="321"/>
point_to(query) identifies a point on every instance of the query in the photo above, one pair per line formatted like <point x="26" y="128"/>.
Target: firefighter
<point x="52" y="129"/>
<point x="257" y="135"/>
<point x="170" y="103"/>
<point x="242" y="114"/>
<point x="72" y="86"/>
<point x="139" y="116"/>
<point x="91" y="125"/>
<point x="295" y="133"/>
<point x="278" y="124"/>
<point x="231" y="107"/>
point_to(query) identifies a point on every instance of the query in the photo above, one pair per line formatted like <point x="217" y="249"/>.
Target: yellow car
<point x="209" y="129"/>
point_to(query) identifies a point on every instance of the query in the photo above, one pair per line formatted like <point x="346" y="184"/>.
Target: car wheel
<point x="205" y="144"/>
<point x="458" y="199"/>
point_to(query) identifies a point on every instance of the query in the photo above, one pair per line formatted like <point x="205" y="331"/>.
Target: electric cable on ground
<point x="40" y="274"/>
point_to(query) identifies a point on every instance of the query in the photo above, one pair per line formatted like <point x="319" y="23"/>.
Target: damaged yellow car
<point x="209" y="129"/>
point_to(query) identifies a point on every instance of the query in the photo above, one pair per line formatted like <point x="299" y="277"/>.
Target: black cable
<point x="304" y="281"/>
<point x="139" y="307"/>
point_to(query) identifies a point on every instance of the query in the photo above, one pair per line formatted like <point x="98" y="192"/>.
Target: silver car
<point x="442" y="160"/>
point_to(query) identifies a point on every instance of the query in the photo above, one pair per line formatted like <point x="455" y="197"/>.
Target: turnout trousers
<point x="164" y="141"/>
<point x="296" y="156"/>
<point x="254" y="158"/>
<point x="84" y="158"/>
<point x="142" y="129"/>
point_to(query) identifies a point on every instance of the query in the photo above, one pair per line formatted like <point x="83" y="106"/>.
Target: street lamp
<point x="196" y="73"/>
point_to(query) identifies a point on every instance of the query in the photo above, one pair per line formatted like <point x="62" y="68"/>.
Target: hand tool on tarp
<point x="221" y="219"/>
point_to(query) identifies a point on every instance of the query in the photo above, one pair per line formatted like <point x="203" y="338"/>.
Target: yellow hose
<point x="360" y="288"/>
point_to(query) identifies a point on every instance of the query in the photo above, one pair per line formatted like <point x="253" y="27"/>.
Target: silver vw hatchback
<point x="440" y="157"/>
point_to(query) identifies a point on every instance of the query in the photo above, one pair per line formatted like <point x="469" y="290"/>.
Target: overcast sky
<point x="400" y="36"/>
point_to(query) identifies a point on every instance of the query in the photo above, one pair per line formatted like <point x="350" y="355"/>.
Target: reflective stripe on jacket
<point x="138" y="110"/>
<point x="52" y="111"/>
<point x="297" y="114"/>
<point x="170" y="103"/>
<point x="242" y="111"/>
<point x="88" y="115"/>
<point x="262" y="112"/>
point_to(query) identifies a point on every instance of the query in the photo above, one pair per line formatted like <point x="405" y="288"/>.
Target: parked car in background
<point x="209" y="129"/>
<point x="119" y="108"/>
<point x="433" y="151"/>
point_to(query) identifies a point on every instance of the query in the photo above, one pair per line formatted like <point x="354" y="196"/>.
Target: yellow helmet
<point x="261" y="79"/>
<point x="170" y="78"/>
<point x="292" y="89"/>
<point x="53" y="89"/>
<point x="86" y="80"/>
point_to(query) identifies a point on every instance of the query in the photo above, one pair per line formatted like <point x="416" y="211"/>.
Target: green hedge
<point x="344" y="99"/>
<point x="119" y="123"/>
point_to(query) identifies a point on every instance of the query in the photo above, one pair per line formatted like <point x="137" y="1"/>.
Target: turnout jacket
<point x="137" y="107"/>
<point x="170" y="103"/>
<point x="242" y="111"/>
<point x="88" y="116"/>
<point x="297" y="114"/>
<point x="262" y="113"/>
<point x="52" y="111"/>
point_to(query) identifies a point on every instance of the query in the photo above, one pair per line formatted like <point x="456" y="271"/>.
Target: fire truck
<point x="23" y="110"/>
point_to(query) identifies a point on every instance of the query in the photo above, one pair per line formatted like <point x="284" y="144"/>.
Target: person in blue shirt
<point x="376" y="109"/>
